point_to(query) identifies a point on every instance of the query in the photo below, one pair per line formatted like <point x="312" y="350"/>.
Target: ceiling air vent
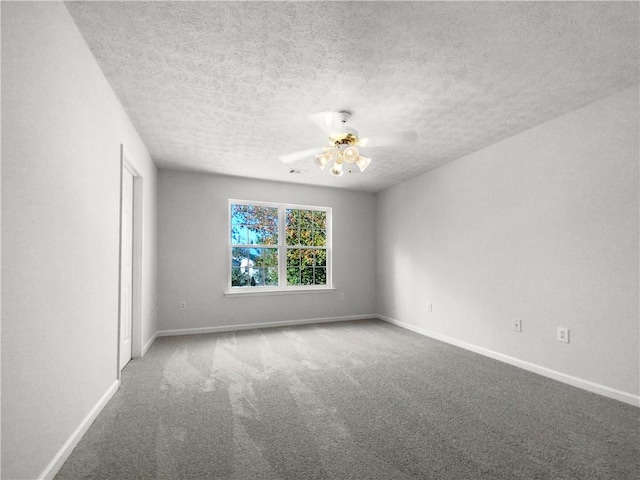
<point x="295" y="171"/>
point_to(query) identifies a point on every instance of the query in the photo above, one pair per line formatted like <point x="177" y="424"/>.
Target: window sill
<point x="253" y="291"/>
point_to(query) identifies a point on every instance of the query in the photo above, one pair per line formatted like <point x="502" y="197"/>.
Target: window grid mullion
<point x="282" y="249"/>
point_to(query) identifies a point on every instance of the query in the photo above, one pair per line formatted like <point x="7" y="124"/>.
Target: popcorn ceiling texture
<point x="226" y="87"/>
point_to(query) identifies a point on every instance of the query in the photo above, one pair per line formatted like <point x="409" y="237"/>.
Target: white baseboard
<point x="76" y="436"/>
<point x="148" y="344"/>
<point x="625" y="397"/>
<point x="251" y="326"/>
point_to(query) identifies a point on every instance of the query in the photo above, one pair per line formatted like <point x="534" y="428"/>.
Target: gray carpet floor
<point x="350" y="400"/>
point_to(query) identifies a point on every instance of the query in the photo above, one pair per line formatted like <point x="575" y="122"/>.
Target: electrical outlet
<point x="429" y="307"/>
<point x="183" y="305"/>
<point x="517" y="325"/>
<point x="342" y="296"/>
<point x="563" y="334"/>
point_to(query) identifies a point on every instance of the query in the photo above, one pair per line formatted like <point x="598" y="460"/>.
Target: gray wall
<point x="62" y="127"/>
<point x="193" y="243"/>
<point x="543" y="227"/>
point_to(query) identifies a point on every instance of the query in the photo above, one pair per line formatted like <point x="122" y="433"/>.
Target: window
<point x="254" y="245"/>
<point x="306" y="241"/>
<point x="279" y="247"/>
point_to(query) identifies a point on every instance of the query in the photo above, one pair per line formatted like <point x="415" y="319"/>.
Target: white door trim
<point x="126" y="161"/>
<point x="126" y="268"/>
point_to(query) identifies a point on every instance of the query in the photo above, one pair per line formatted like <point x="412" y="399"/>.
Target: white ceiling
<point x="226" y="87"/>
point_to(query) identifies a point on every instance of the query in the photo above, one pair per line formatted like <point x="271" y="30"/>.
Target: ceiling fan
<point x="343" y="143"/>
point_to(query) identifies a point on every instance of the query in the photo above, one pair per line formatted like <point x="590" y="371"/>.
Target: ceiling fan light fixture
<point x="350" y="154"/>
<point x="343" y="148"/>
<point x="336" y="170"/>
<point x="363" y="162"/>
<point x="322" y="160"/>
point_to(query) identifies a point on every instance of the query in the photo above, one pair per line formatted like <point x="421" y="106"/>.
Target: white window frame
<point x="282" y="288"/>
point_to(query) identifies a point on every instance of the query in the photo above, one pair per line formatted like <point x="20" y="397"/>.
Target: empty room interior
<point x="320" y="240"/>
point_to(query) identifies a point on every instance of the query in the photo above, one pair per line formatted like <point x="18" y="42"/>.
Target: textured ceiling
<point x="226" y="87"/>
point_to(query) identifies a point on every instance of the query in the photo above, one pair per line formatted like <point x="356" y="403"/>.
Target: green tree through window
<point x="306" y="241"/>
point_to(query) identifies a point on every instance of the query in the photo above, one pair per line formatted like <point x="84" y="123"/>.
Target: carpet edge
<point x="252" y="326"/>
<point x="581" y="383"/>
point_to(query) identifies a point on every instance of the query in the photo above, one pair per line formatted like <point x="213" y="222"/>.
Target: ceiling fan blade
<point x="328" y="122"/>
<point x="392" y="139"/>
<point x="301" y="155"/>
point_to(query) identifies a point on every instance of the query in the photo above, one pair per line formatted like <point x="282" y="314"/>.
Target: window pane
<point x="243" y="259"/>
<point x="267" y="236"/>
<point x="255" y="256"/>
<point x="256" y="277"/>
<point x="269" y="257"/>
<point x="293" y="235"/>
<point x="237" y="255"/>
<point x="320" y="276"/>
<point x="238" y="278"/>
<point x="320" y="220"/>
<point x="308" y="257"/>
<point x="252" y="234"/>
<point x="319" y="238"/>
<point x="266" y="217"/>
<point x="321" y="258"/>
<point x="238" y="214"/>
<point x="271" y="277"/>
<point x="293" y="276"/>
<point x="293" y="257"/>
<point x="306" y="276"/>
<point x="239" y="234"/>
<point x="306" y="219"/>
<point x="291" y="218"/>
<point x="306" y="238"/>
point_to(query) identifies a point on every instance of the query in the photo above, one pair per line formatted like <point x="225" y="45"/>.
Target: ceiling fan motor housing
<point x="349" y="137"/>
